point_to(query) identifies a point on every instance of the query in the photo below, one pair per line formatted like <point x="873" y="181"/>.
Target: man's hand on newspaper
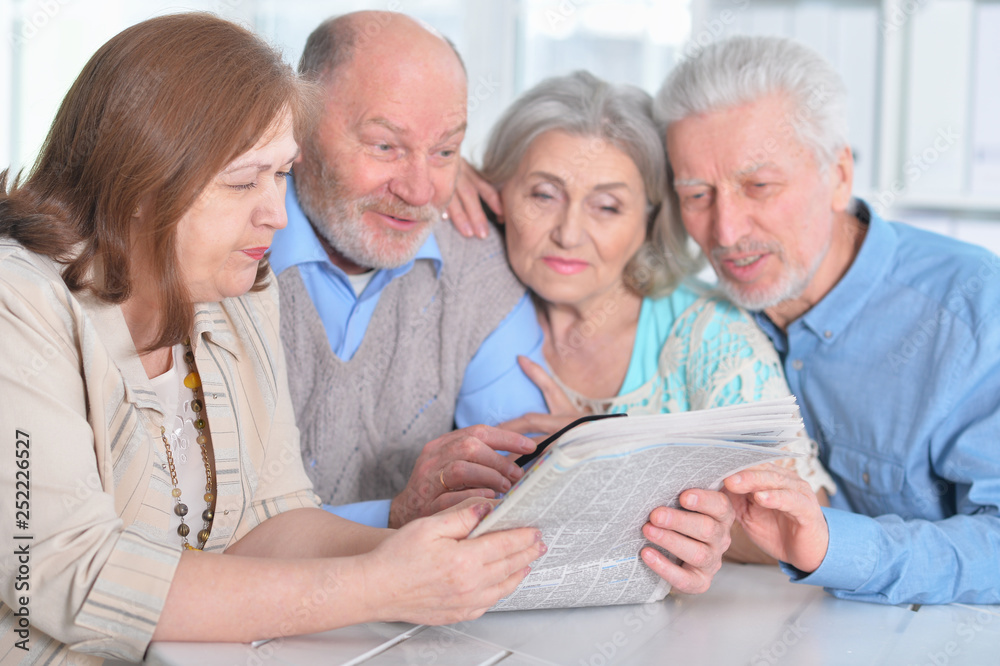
<point x="457" y="466"/>
<point x="697" y="536"/>
<point x="781" y="514"/>
<point x="465" y="209"/>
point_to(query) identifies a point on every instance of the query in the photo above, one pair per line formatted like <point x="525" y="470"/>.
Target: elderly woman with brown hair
<point x="143" y="393"/>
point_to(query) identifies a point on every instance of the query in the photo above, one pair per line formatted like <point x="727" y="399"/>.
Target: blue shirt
<point x="494" y="389"/>
<point x="897" y="370"/>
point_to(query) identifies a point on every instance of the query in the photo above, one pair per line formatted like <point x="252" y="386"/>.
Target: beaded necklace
<point x="193" y="382"/>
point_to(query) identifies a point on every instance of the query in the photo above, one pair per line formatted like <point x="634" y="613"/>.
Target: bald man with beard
<point x="397" y="328"/>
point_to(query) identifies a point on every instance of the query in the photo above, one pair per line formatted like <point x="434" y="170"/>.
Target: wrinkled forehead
<point x="400" y="95"/>
<point x="736" y="141"/>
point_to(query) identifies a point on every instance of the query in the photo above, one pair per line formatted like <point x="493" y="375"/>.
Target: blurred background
<point x="923" y="75"/>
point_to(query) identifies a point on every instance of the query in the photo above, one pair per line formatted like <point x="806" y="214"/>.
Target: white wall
<point x="913" y="68"/>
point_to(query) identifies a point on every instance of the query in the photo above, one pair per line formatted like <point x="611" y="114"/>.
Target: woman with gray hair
<point x="581" y="174"/>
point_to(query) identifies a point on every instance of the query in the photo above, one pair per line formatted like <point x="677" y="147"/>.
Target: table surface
<point x="752" y="615"/>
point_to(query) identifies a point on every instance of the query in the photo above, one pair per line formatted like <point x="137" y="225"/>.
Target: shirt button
<point x="827" y="334"/>
<point x="797" y="364"/>
<point x="866" y="478"/>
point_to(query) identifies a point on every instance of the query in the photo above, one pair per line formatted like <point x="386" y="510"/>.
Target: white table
<point x="752" y="615"/>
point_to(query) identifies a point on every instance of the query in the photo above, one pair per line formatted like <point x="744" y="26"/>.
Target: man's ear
<point x="842" y="176"/>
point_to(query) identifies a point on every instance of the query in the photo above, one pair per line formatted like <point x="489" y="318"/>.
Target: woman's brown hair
<point x="154" y="116"/>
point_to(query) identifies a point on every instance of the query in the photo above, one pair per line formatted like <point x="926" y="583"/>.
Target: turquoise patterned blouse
<point x="695" y="350"/>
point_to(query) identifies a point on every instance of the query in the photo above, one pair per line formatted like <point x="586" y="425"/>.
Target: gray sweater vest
<point x="364" y="422"/>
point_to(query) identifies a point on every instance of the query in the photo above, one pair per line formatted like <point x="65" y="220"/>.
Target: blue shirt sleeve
<point x="494" y="388"/>
<point x="372" y="514"/>
<point x="943" y="544"/>
<point x="891" y="560"/>
<point x="898" y="376"/>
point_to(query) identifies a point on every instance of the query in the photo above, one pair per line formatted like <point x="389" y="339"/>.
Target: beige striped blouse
<point x="100" y="554"/>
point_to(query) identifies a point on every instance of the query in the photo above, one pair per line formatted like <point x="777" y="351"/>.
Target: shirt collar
<point x="210" y="321"/>
<point x="835" y="311"/>
<point x="298" y="244"/>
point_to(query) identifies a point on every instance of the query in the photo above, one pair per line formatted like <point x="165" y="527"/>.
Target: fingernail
<point x="737" y="478"/>
<point x="542" y="549"/>
<point x="467" y="231"/>
<point x="763" y="495"/>
<point x="483" y="233"/>
<point x="690" y="500"/>
<point x="505" y="485"/>
<point x="538" y="536"/>
<point x="483" y="508"/>
<point x="648" y="555"/>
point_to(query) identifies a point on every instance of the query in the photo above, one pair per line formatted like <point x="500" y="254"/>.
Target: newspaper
<point x="592" y="490"/>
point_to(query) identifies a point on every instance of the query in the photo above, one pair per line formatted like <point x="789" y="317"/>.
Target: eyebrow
<point x="259" y="165"/>
<point x="690" y="182"/>
<point x="396" y="129"/>
<point x="696" y="182"/>
<point x="602" y="186"/>
<point x="754" y="168"/>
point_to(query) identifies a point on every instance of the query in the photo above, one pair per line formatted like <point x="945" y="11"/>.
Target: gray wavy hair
<point x="583" y="105"/>
<point x="742" y="69"/>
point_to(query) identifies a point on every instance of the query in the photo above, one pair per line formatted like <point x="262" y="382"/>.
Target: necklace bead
<point x="192" y="381"/>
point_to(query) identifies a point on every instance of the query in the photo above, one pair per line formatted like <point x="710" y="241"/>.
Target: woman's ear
<point x="491" y="214"/>
<point x="652" y="212"/>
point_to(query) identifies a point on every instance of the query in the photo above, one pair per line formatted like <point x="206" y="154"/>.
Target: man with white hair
<point x="889" y="335"/>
